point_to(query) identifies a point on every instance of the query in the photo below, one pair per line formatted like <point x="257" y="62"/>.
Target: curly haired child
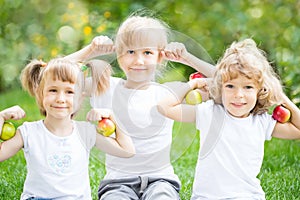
<point x="235" y="123"/>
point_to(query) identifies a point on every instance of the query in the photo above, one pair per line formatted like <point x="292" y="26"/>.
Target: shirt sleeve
<point x="204" y="113"/>
<point x="87" y="132"/>
<point x="269" y="124"/>
<point x="24" y="133"/>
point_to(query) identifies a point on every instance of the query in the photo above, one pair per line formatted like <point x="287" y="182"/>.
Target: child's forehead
<point x="58" y="82"/>
<point x="142" y="48"/>
<point x="241" y="79"/>
<point x="149" y="38"/>
<point x="62" y="73"/>
<point x="145" y="42"/>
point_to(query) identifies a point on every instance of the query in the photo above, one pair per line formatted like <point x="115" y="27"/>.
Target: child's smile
<point x="58" y="98"/>
<point x="139" y="65"/>
<point x="239" y="96"/>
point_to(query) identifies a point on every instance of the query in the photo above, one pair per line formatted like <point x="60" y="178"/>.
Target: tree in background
<point x="48" y="28"/>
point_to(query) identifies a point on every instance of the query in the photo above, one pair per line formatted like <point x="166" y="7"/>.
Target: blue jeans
<point x="139" y="188"/>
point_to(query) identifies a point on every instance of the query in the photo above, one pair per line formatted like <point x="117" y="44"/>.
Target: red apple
<point x="106" y="127"/>
<point x="196" y="75"/>
<point x="280" y="113"/>
<point x="193" y="97"/>
<point x="8" y="131"/>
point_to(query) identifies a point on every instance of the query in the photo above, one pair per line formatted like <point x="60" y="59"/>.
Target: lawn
<point x="280" y="177"/>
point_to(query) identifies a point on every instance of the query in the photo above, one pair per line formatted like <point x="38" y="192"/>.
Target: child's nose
<point x="239" y="93"/>
<point x="139" y="59"/>
<point x="61" y="97"/>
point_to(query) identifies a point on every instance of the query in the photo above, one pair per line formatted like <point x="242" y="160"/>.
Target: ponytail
<point x="31" y="76"/>
<point x="100" y="72"/>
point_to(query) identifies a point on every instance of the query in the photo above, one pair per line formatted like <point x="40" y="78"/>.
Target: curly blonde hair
<point x="246" y="59"/>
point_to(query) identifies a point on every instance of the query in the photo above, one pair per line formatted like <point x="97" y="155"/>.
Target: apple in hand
<point x="106" y="127"/>
<point x="196" y="75"/>
<point x="193" y="97"/>
<point x="8" y="131"/>
<point x="280" y="113"/>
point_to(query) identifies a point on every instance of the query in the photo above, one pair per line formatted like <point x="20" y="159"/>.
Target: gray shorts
<point x="139" y="188"/>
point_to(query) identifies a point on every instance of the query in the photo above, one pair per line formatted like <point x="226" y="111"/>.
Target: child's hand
<point x="14" y="112"/>
<point x="106" y="122"/>
<point x="98" y="114"/>
<point x="202" y="86"/>
<point x="199" y="83"/>
<point x="101" y="45"/>
<point x="176" y="52"/>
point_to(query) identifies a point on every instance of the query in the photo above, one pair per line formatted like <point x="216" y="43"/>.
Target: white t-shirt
<point x="230" y="171"/>
<point x="136" y="113"/>
<point x="57" y="167"/>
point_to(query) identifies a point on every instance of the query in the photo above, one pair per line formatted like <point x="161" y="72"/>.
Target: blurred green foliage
<point x="49" y="28"/>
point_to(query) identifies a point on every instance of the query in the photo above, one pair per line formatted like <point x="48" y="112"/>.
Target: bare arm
<point x="177" y="52"/>
<point x="14" y="112"/>
<point x="172" y="106"/>
<point x="10" y="147"/>
<point x="121" y="145"/>
<point x="100" y="45"/>
<point x="13" y="145"/>
<point x="291" y="129"/>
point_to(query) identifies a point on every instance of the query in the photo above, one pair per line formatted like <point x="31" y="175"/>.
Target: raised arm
<point x="290" y="129"/>
<point x="177" y="52"/>
<point x="14" y="112"/>
<point x="121" y="145"/>
<point x="100" y="45"/>
<point x="172" y="106"/>
<point x="11" y="146"/>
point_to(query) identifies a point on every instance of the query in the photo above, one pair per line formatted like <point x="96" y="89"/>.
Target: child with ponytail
<point x="57" y="147"/>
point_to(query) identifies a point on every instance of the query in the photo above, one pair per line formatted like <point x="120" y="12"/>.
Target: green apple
<point x="106" y="127"/>
<point x="193" y="97"/>
<point x="8" y="131"/>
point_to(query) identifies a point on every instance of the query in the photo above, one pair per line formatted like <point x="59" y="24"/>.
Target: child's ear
<point x="161" y="56"/>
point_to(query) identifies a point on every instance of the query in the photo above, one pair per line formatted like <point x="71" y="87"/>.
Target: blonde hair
<point x="246" y="59"/>
<point x="139" y="30"/>
<point x="100" y="72"/>
<point x="35" y="74"/>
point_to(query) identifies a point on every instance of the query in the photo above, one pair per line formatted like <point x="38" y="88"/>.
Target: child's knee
<point x="161" y="190"/>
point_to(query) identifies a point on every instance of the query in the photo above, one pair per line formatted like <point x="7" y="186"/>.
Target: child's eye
<point x="70" y="92"/>
<point x="52" y="90"/>
<point x="148" y="53"/>
<point x="249" y="87"/>
<point x="130" y="52"/>
<point x="229" y="86"/>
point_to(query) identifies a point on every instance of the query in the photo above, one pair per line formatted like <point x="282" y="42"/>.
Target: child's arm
<point x="177" y="52"/>
<point x="121" y="145"/>
<point x="290" y="129"/>
<point x="172" y="106"/>
<point x="13" y="145"/>
<point x="14" y="112"/>
<point x="100" y="45"/>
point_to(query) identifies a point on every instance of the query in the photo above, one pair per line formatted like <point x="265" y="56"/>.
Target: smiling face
<point x="58" y="98"/>
<point x="138" y="43"/>
<point x="239" y="96"/>
<point x="139" y="65"/>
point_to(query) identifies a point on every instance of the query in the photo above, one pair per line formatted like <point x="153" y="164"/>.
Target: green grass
<point x="280" y="176"/>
